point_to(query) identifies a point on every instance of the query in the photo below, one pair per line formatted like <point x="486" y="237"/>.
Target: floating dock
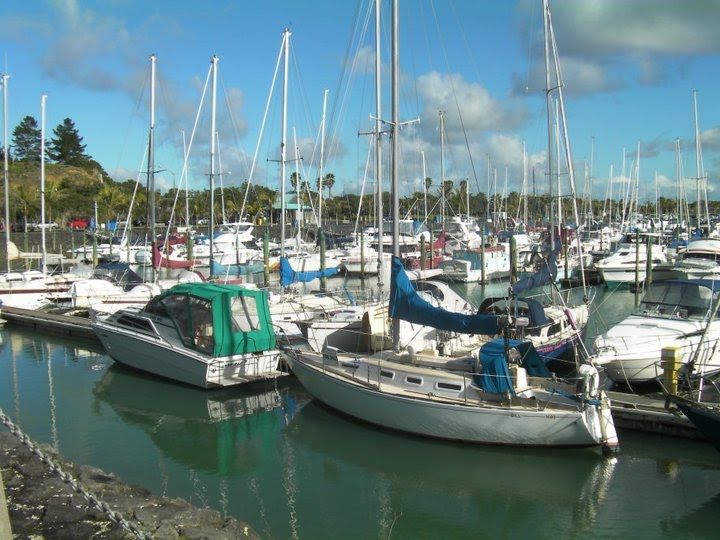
<point x="649" y="414"/>
<point x="63" y="325"/>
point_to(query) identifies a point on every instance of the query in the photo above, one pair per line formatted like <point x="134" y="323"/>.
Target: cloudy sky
<point x="629" y="68"/>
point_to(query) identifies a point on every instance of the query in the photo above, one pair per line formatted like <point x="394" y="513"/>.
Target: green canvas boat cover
<point x="221" y="320"/>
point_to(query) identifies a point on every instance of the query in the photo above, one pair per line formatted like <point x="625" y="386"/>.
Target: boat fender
<point x="571" y="319"/>
<point x="591" y="381"/>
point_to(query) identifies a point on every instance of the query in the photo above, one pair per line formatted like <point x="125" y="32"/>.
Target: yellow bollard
<point x="671" y="360"/>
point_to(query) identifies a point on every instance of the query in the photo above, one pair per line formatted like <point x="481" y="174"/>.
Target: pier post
<point x="423" y="252"/>
<point x="432" y="253"/>
<point x="637" y="268"/>
<point x="5" y="530"/>
<point x="266" y="258"/>
<point x="671" y="360"/>
<point x="94" y="251"/>
<point x="323" y="280"/>
<point x="482" y="256"/>
<point x="190" y="244"/>
<point x="362" y="255"/>
<point x="648" y="264"/>
<point x="72" y="241"/>
<point x="513" y="260"/>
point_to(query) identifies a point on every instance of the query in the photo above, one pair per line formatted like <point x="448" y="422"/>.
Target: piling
<point x="423" y="253"/>
<point x="266" y="258"/>
<point x="671" y="360"/>
<point x="323" y="279"/>
<point x="432" y="253"/>
<point x="362" y="255"/>
<point x="94" y="251"/>
<point x="190" y="245"/>
<point x="648" y="263"/>
<point x="513" y="261"/>
<point x="637" y="268"/>
<point x="5" y="530"/>
<point x="482" y="256"/>
<point x="72" y="241"/>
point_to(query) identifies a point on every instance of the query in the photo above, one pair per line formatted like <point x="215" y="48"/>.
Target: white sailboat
<point x="501" y="405"/>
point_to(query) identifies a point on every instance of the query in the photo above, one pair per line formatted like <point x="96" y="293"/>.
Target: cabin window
<point x="245" y="317"/>
<point x="387" y="374"/>
<point x="137" y="324"/>
<point x="448" y="386"/>
<point x="413" y="380"/>
<point x="201" y="320"/>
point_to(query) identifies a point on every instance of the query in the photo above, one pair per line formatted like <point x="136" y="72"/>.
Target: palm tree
<point x="329" y="182"/>
<point x="27" y="198"/>
<point x="113" y="200"/>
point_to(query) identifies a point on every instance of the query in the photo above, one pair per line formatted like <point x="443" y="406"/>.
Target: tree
<point x="66" y="146"/>
<point x="26" y="140"/>
<point x="329" y="182"/>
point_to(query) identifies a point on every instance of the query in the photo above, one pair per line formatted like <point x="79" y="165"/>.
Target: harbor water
<point x="271" y="456"/>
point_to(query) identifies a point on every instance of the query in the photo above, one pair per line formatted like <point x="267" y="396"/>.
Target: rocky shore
<point x="42" y="505"/>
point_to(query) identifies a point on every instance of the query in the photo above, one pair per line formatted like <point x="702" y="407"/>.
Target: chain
<point x="114" y="516"/>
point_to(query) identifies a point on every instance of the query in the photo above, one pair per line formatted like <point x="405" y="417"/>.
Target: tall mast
<point x="378" y="150"/>
<point x="424" y="173"/>
<point x="698" y="161"/>
<point x="322" y="159"/>
<point x="213" y="134"/>
<point x="43" y="98"/>
<point x="6" y="177"/>
<point x="548" y="106"/>
<point x="283" y="145"/>
<point x="187" y="191"/>
<point x="442" y="167"/>
<point x="151" y="160"/>
<point x="395" y="53"/>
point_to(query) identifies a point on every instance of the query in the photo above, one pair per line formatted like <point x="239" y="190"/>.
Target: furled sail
<point x="545" y="274"/>
<point x="406" y="304"/>
<point x="289" y="276"/>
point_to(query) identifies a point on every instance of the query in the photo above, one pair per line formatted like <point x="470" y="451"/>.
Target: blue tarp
<point x="289" y="276"/>
<point x="406" y="304"/>
<point x="546" y="274"/>
<point x="494" y="376"/>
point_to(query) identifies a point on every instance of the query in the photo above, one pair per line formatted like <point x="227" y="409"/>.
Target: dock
<point x="63" y="325"/>
<point x="649" y="414"/>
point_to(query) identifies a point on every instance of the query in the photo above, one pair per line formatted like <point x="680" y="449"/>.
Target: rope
<point x="114" y="516"/>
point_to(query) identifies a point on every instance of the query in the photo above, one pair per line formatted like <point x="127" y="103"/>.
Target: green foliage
<point x="26" y="140"/>
<point x="66" y="146"/>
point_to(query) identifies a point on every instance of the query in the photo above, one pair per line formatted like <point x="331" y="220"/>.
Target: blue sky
<point x="629" y="66"/>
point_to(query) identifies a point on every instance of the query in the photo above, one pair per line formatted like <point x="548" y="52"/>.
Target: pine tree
<point x="26" y="140"/>
<point x="66" y="146"/>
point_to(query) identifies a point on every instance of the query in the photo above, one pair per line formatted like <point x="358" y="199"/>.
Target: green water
<point x="271" y="456"/>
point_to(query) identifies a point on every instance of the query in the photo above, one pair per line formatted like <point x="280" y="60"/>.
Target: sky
<point x="629" y="70"/>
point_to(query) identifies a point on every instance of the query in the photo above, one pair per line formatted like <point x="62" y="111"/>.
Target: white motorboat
<point x="630" y="258"/>
<point x="202" y="334"/>
<point x="467" y="265"/>
<point x="701" y="260"/>
<point x="673" y="312"/>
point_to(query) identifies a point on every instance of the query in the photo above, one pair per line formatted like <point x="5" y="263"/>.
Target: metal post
<point x="323" y="280"/>
<point x="513" y="260"/>
<point x="266" y="258"/>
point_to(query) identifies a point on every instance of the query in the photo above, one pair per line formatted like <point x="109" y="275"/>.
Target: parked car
<point x="48" y="226"/>
<point x="78" y="224"/>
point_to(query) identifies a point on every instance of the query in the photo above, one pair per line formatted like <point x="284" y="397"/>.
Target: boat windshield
<point x="677" y="299"/>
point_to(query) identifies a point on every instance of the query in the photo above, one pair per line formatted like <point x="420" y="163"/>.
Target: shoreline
<point x="41" y="504"/>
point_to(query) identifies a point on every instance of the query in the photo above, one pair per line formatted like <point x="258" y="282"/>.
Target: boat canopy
<point x="221" y="320"/>
<point x="406" y="304"/>
<point x="289" y="276"/>
<point x="494" y="376"/>
<point x="682" y="298"/>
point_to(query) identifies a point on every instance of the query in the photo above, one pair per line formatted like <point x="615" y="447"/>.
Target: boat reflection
<point x="511" y="480"/>
<point x="221" y="431"/>
<point x="701" y="522"/>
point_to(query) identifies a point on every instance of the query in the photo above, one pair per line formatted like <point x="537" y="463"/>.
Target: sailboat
<point x="498" y="398"/>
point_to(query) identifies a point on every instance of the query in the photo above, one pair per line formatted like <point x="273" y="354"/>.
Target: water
<point x="291" y="468"/>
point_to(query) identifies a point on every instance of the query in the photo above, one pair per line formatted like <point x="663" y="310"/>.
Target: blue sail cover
<point x="289" y="276"/>
<point x="406" y="304"/>
<point x="546" y="274"/>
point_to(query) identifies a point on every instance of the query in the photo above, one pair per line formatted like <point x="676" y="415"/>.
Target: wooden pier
<point x="63" y="325"/>
<point x="649" y="414"/>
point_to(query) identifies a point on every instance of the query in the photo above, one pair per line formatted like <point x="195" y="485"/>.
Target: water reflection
<point x="180" y="420"/>
<point x="496" y="483"/>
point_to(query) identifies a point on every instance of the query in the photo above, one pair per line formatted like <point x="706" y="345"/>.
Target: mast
<point x="213" y="134"/>
<point x="220" y="175"/>
<point x="322" y="159"/>
<point x="395" y="78"/>
<point x="151" y="162"/>
<point x="442" y="166"/>
<point x="378" y="150"/>
<point x="548" y="106"/>
<point x="187" y="191"/>
<point x="43" y="98"/>
<point x="6" y="178"/>
<point x="424" y="173"/>
<point x="283" y="145"/>
<point x="299" y="213"/>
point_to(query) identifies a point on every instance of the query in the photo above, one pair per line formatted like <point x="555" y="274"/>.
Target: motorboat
<point x="472" y="265"/>
<point x="630" y="260"/>
<point x="203" y="334"/>
<point x="672" y="313"/>
<point x="700" y="260"/>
